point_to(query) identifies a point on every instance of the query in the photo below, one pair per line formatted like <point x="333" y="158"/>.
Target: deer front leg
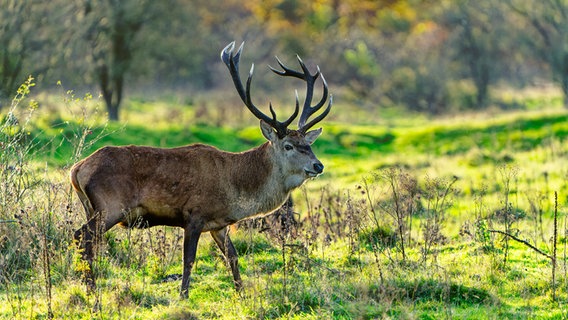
<point x="190" y="238"/>
<point x="222" y="239"/>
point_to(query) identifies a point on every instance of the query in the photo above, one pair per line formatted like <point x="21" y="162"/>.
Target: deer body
<point x="197" y="187"/>
<point x="165" y="185"/>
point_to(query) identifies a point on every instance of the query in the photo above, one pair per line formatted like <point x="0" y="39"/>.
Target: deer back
<point x="164" y="186"/>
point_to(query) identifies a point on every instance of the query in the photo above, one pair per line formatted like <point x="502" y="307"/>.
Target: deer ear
<point x="267" y="131"/>
<point x="311" y="136"/>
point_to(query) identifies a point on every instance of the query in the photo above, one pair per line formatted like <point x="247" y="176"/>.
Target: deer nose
<point x="318" y="167"/>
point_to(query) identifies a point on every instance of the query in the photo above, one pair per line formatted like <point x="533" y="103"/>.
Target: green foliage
<point x="343" y="257"/>
<point x="377" y="53"/>
<point x="483" y="235"/>
<point x="381" y="236"/>
<point x="255" y="245"/>
<point x="128" y="297"/>
<point x="427" y="290"/>
<point x="363" y="61"/>
<point x="16" y="182"/>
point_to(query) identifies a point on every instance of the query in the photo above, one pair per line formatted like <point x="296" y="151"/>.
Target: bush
<point x="380" y="236"/>
<point x="16" y="182"/>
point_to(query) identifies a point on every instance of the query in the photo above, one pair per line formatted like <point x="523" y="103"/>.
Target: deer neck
<point x="257" y="172"/>
<point x="263" y="179"/>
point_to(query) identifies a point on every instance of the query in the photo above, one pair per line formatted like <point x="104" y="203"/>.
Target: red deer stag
<point x="198" y="187"/>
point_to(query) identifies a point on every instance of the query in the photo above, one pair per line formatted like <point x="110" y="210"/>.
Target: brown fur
<point x="197" y="187"/>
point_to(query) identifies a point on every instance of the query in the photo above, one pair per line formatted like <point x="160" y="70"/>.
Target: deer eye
<point x="288" y="147"/>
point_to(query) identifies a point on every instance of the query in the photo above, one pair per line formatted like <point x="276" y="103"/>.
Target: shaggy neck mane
<point x="253" y="169"/>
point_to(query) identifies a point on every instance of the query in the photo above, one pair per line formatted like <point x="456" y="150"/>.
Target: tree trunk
<point x="112" y="91"/>
<point x="112" y="112"/>
<point x="565" y="89"/>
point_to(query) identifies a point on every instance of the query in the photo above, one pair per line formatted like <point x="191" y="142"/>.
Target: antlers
<point x="310" y="79"/>
<point x="232" y="62"/>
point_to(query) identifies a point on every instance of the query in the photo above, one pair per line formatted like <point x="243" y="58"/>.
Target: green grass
<point x="334" y="265"/>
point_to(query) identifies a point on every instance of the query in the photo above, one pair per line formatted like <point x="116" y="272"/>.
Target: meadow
<point x="456" y="217"/>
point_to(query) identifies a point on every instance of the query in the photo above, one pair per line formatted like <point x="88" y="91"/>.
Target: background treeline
<point x="430" y="56"/>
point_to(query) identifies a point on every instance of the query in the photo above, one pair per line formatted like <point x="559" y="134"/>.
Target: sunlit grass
<point x="330" y="271"/>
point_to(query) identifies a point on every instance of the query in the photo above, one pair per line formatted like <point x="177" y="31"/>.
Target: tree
<point x="549" y="20"/>
<point x="112" y="27"/>
<point x="24" y="31"/>
<point x="477" y="33"/>
<point x="472" y="48"/>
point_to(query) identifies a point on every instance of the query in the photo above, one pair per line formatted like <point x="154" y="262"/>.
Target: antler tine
<point x="310" y="79"/>
<point x="232" y="62"/>
<point x="287" y="71"/>
<point x="319" y="118"/>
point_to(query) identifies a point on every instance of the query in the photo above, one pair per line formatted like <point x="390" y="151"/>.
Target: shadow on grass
<point x="180" y="314"/>
<point x="422" y="290"/>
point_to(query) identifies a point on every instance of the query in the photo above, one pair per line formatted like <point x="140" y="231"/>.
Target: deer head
<point x="291" y="147"/>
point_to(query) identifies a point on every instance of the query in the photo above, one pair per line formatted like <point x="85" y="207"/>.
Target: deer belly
<point x="217" y="224"/>
<point x="149" y="216"/>
<point x="248" y="208"/>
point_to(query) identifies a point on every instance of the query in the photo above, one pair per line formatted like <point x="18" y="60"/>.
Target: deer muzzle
<point x="316" y="169"/>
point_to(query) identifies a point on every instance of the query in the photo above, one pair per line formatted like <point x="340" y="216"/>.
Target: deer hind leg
<point x="192" y="232"/>
<point x="222" y="239"/>
<point x="90" y="234"/>
<point x="87" y="236"/>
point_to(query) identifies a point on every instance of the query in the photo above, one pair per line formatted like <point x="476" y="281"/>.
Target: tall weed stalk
<point x="396" y="204"/>
<point x="16" y="147"/>
<point x="36" y="210"/>
<point x="16" y="181"/>
<point x="438" y="194"/>
<point x="507" y="213"/>
<point x="88" y="126"/>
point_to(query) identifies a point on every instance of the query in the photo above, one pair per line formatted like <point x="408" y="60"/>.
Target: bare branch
<point x="528" y="244"/>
